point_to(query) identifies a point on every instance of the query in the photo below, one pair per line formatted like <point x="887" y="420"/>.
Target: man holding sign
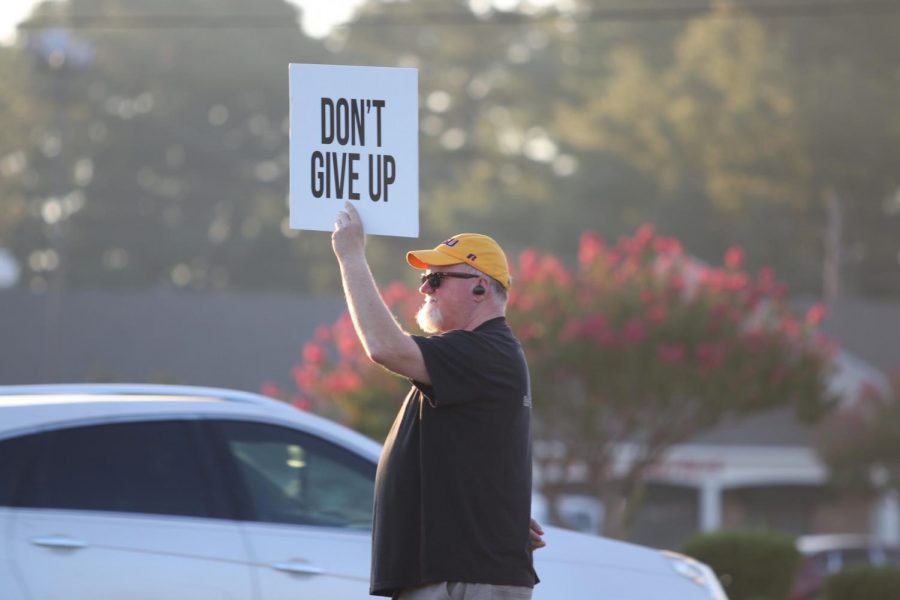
<point x="453" y="486"/>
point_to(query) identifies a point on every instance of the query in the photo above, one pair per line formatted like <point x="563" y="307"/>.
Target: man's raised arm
<point x="382" y="338"/>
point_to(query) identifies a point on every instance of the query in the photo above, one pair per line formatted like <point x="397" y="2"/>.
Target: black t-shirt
<point x="453" y="487"/>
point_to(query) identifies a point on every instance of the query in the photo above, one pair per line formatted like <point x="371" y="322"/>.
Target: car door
<point x="125" y="510"/>
<point x="13" y="453"/>
<point x="307" y="505"/>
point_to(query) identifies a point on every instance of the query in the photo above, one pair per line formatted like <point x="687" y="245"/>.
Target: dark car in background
<point x="824" y="555"/>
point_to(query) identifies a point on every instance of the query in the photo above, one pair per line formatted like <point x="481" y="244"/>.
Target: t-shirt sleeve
<point x="458" y="364"/>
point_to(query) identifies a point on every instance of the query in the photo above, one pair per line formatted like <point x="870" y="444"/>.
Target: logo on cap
<point x="451" y="242"/>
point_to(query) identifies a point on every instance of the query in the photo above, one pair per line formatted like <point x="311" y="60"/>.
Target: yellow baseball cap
<point x="474" y="249"/>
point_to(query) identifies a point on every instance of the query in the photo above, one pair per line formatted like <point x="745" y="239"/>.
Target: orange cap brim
<point x="422" y="259"/>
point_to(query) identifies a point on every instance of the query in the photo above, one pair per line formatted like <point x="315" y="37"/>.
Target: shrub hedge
<point x="752" y="565"/>
<point x="863" y="583"/>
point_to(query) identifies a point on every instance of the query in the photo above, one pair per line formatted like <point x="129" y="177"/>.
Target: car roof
<point x="811" y="544"/>
<point x="27" y="408"/>
<point x="127" y="391"/>
<point x="23" y="405"/>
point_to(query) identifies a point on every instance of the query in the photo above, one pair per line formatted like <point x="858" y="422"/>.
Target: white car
<point x="146" y="492"/>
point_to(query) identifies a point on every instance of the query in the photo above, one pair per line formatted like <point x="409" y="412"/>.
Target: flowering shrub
<point x="641" y="343"/>
<point x="643" y="328"/>
<point x="637" y="343"/>
<point x="336" y="379"/>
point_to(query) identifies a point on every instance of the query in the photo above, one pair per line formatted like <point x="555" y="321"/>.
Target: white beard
<point x="429" y="318"/>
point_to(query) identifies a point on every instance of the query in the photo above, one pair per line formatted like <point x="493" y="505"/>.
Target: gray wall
<point x="221" y="339"/>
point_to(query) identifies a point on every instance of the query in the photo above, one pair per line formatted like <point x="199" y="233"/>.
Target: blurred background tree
<point x="22" y="106"/>
<point x="721" y="122"/>
<point x="174" y="137"/>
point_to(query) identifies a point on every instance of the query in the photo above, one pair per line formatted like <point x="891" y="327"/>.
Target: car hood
<point x="580" y="548"/>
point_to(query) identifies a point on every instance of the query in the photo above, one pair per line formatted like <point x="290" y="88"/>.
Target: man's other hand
<point x="537" y="532"/>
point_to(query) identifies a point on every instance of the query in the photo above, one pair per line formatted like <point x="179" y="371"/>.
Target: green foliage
<point x="716" y="128"/>
<point x="170" y="156"/>
<point x="171" y="149"/>
<point x="752" y="565"/>
<point x="21" y="106"/>
<point x="856" y="583"/>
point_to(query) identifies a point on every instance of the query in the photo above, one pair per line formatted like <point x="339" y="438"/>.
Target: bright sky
<point x="11" y="13"/>
<point x="319" y="16"/>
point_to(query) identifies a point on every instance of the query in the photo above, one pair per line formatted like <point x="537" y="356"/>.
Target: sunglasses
<point x="434" y="279"/>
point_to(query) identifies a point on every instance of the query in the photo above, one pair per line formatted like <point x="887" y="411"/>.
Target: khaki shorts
<point x="466" y="591"/>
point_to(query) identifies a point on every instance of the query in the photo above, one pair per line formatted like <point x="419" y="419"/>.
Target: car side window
<point x="297" y="478"/>
<point x="15" y="456"/>
<point x="146" y="467"/>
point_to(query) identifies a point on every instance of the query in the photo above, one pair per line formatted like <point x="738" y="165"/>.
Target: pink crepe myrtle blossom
<point x="590" y="247"/>
<point x="301" y="402"/>
<point x="734" y="258"/>
<point x="709" y="356"/>
<point x="314" y="353"/>
<point x="271" y="389"/>
<point x="634" y="332"/>
<point x="323" y="334"/>
<point x="667" y="246"/>
<point x="656" y="314"/>
<point x="815" y="314"/>
<point x="670" y="353"/>
<point x="607" y="339"/>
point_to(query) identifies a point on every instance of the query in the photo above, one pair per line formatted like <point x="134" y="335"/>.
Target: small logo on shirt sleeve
<point x="526" y="401"/>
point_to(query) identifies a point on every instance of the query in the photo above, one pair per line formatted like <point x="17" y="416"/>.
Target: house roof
<point x="777" y="427"/>
<point x="868" y="329"/>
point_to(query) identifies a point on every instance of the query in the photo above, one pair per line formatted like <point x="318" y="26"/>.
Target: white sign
<point x="354" y="136"/>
